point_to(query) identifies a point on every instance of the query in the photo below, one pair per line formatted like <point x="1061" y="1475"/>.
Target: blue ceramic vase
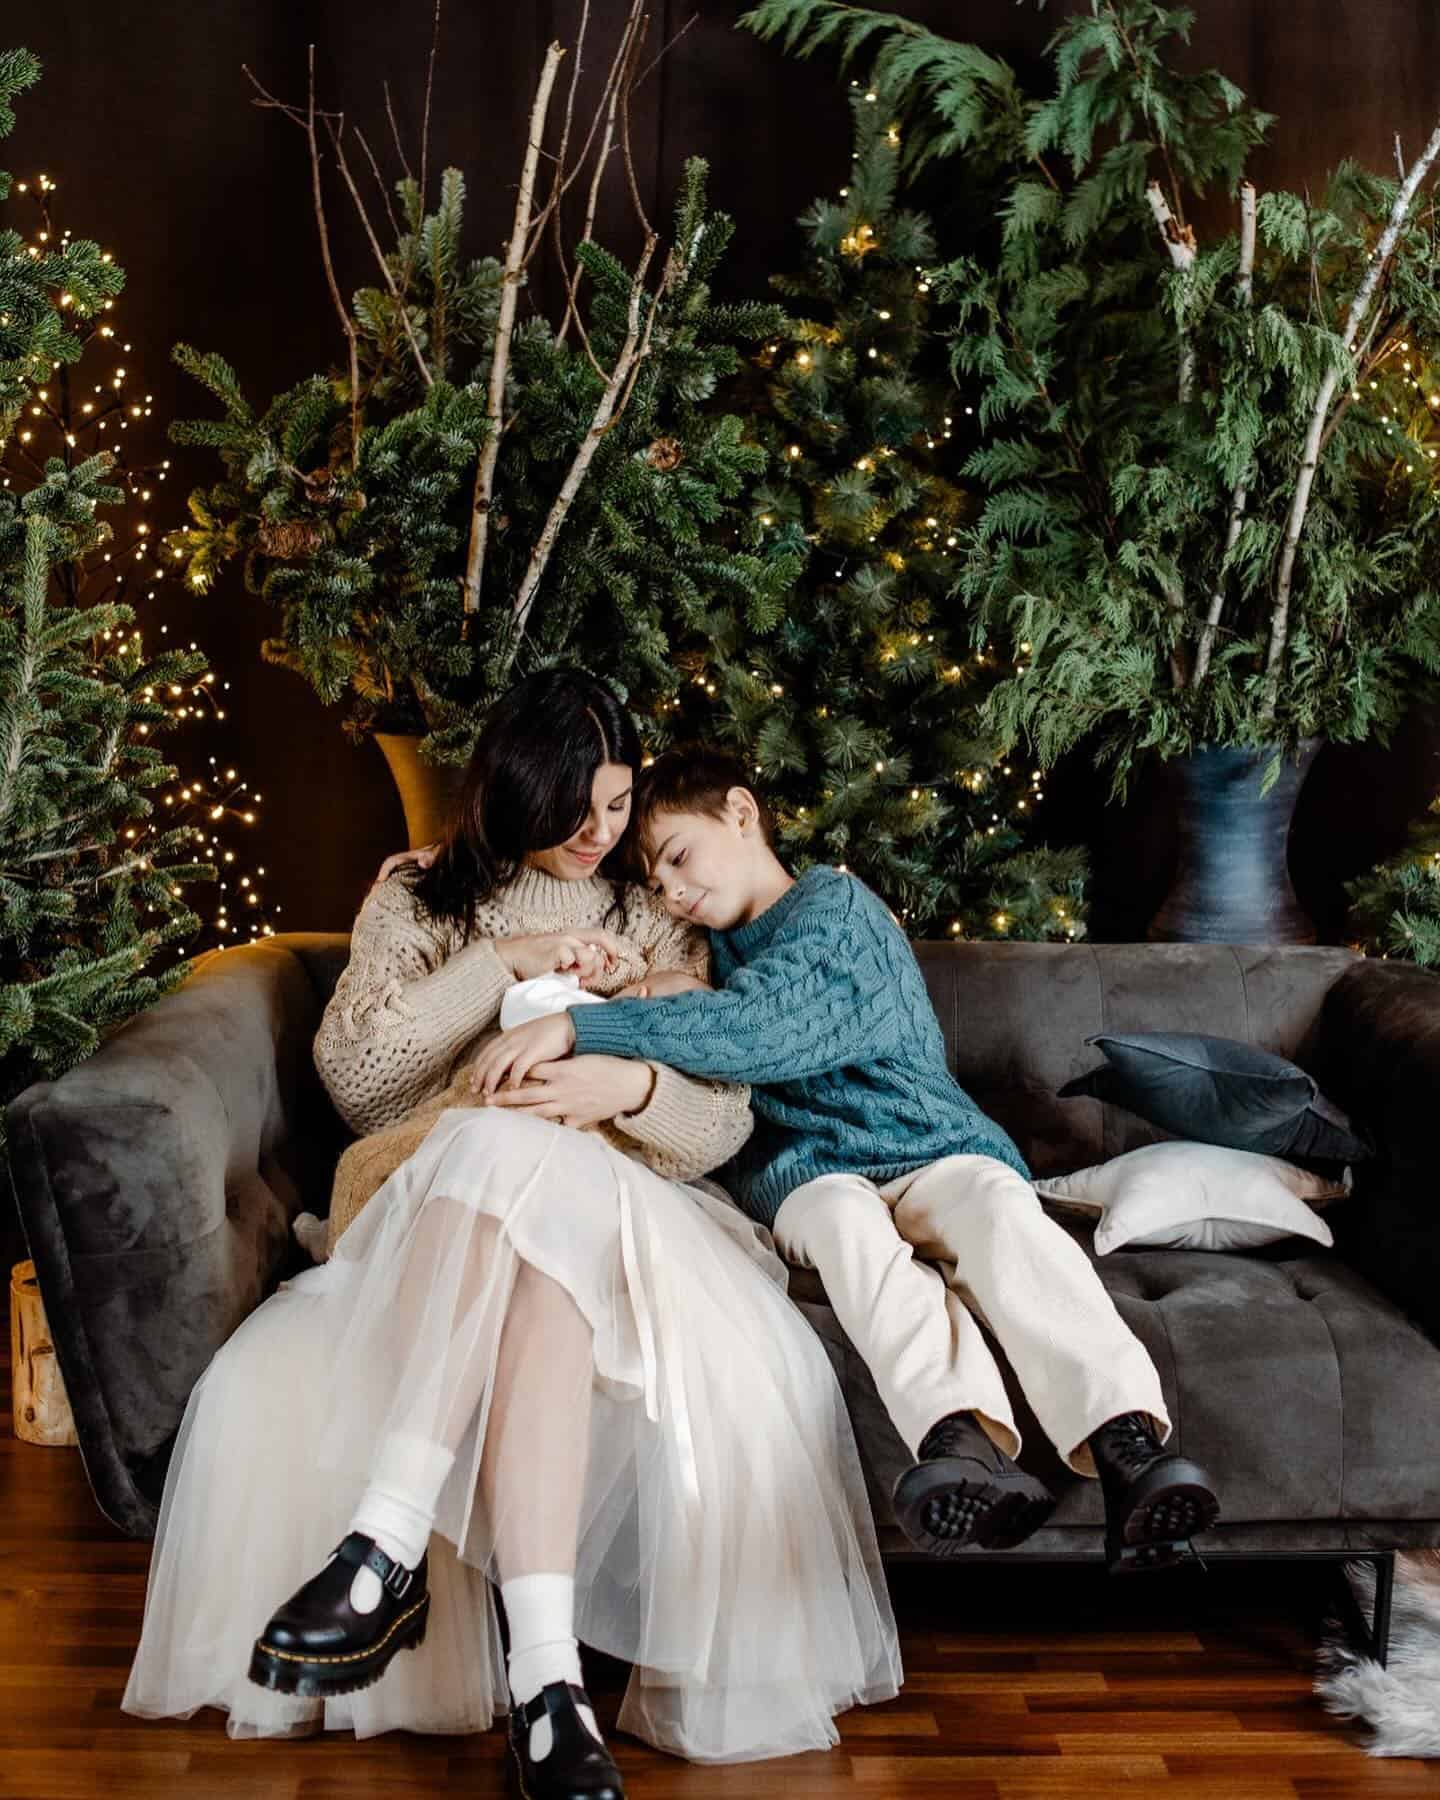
<point x="1232" y="875"/>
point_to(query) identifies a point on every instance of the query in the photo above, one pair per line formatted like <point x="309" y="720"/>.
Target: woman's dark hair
<point x="527" y="787"/>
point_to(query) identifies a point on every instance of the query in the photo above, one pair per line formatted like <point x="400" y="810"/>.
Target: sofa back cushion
<point x="1016" y="1016"/>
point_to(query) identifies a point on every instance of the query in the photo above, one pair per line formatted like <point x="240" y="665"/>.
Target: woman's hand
<point x="421" y="858"/>
<point x="661" y="982"/>
<point x="588" y="953"/>
<point x="510" y="1057"/>
<point x="582" y="1090"/>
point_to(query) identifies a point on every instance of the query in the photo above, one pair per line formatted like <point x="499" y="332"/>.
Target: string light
<point x="188" y="811"/>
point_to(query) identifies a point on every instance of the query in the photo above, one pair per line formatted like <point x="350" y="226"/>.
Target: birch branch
<point x="504" y="328"/>
<point x="1310" y="459"/>
<point x="1239" y="496"/>
<point x="1179" y="240"/>
<point x="607" y="414"/>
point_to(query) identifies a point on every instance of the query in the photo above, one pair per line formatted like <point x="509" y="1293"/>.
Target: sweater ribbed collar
<point x="745" y="940"/>
<point x="535" y="894"/>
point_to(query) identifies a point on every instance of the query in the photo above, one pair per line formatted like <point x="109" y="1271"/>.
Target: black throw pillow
<point x="1217" y="1091"/>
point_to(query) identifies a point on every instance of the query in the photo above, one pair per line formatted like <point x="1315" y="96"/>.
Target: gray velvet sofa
<point x="156" y="1184"/>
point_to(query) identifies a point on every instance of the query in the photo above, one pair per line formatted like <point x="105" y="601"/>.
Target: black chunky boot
<point x="578" y="1767"/>
<point x="966" y="1490"/>
<point x="1154" y="1500"/>
<point x="317" y="1644"/>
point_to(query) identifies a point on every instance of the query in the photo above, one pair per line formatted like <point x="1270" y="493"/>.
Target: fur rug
<point x="1401" y="1703"/>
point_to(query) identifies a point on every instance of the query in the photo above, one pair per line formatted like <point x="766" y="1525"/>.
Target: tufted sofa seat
<point x="156" y="1182"/>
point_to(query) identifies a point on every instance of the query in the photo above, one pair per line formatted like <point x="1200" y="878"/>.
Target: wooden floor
<point x="1021" y="1685"/>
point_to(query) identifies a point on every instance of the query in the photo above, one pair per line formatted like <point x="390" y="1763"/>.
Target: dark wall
<point x="145" y="119"/>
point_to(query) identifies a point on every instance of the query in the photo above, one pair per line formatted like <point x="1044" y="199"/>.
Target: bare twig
<point x="636" y="43"/>
<point x="379" y="180"/>
<point x="395" y="137"/>
<point x="632" y="24"/>
<point x="1239" y="496"/>
<point x="386" y="272"/>
<point x="552" y="206"/>
<point x="425" y="116"/>
<point x="306" y="120"/>
<point x="1310" y="457"/>
<point x="347" y="324"/>
<point x="1363" y="372"/>
<point x="572" y="286"/>
<point x="607" y="414"/>
<point x="334" y="124"/>
<point x="663" y="52"/>
<point x="504" y="328"/>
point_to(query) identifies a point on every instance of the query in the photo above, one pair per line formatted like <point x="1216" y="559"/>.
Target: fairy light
<point x="189" y="811"/>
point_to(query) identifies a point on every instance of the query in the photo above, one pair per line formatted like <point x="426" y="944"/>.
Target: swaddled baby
<point x="370" y="1161"/>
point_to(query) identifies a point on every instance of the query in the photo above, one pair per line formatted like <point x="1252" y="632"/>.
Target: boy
<point x="872" y="1165"/>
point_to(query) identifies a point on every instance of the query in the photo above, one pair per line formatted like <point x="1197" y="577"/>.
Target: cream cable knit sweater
<point x="415" y="1003"/>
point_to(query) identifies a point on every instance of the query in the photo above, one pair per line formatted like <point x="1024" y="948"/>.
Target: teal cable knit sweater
<point x="823" y="1009"/>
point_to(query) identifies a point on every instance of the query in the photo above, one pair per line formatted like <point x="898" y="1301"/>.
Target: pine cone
<point x="285" y="538"/>
<point x="665" y="454"/>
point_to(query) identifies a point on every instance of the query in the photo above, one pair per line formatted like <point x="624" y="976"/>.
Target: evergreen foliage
<point x="360" y="542"/>
<point x="84" y="909"/>
<point x="1395" y="908"/>
<point x="1145" y="401"/>
<point x="860" y="709"/>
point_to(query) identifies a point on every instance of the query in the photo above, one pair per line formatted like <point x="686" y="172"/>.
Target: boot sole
<point x="943" y="1509"/>
<point x="320" y="1677"/>
<point x="1168" y="1506"/>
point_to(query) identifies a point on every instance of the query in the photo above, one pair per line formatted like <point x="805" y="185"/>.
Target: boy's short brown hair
<point x="691" y="778"/>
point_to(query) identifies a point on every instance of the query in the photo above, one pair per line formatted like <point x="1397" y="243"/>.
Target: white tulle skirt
<point x="726" y="1548"/>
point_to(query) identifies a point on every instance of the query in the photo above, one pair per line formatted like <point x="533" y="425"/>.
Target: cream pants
<point x="908" y="1266"/>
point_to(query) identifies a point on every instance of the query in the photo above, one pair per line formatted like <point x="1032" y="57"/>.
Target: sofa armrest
<point x="156" y="1183"/>
<point x="1375" y="1050"/>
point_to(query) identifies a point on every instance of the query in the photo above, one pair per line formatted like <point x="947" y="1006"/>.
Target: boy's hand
<point x="422" y="858"/>
<point x="509" y="1058"/>
<point x="662" y="982"/>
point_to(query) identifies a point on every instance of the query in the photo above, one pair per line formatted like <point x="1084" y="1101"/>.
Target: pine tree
<point x="1395" y="907"/>
<point x="860" y="710"/>
<point x="91" y="888"/>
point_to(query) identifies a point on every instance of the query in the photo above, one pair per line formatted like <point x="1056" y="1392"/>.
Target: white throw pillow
<point x="1183" y="1196"/>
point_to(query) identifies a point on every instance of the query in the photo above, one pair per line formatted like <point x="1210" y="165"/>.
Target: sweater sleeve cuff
<point x="667" y="1119"/>
<point x="615" y="1029"/>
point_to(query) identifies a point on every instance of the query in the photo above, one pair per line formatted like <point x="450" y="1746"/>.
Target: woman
<point x="552" y="1347"/>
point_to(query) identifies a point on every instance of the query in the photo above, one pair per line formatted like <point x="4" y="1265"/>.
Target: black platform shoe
<point x="579" y="1767"/>
<point x="317" y="1644"/>
<point x="1155" y="1501"/>
<point x="966" y="1490"/>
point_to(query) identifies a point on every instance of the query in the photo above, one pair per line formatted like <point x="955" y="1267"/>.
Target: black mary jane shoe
<point x="965" y="1490"/>
<point x="317" y="1644"/>
<point x="1155" y="1500"/>
<point x="579" y="1767"/>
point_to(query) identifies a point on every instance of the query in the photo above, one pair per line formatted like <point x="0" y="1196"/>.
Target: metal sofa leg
<point x="1371" y="1635"/>
<point x="1384" y="1594"/>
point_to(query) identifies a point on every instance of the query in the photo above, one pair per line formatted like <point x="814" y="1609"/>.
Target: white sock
<point x="397" y="1509"/>
<point x="540" y="1611"/>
